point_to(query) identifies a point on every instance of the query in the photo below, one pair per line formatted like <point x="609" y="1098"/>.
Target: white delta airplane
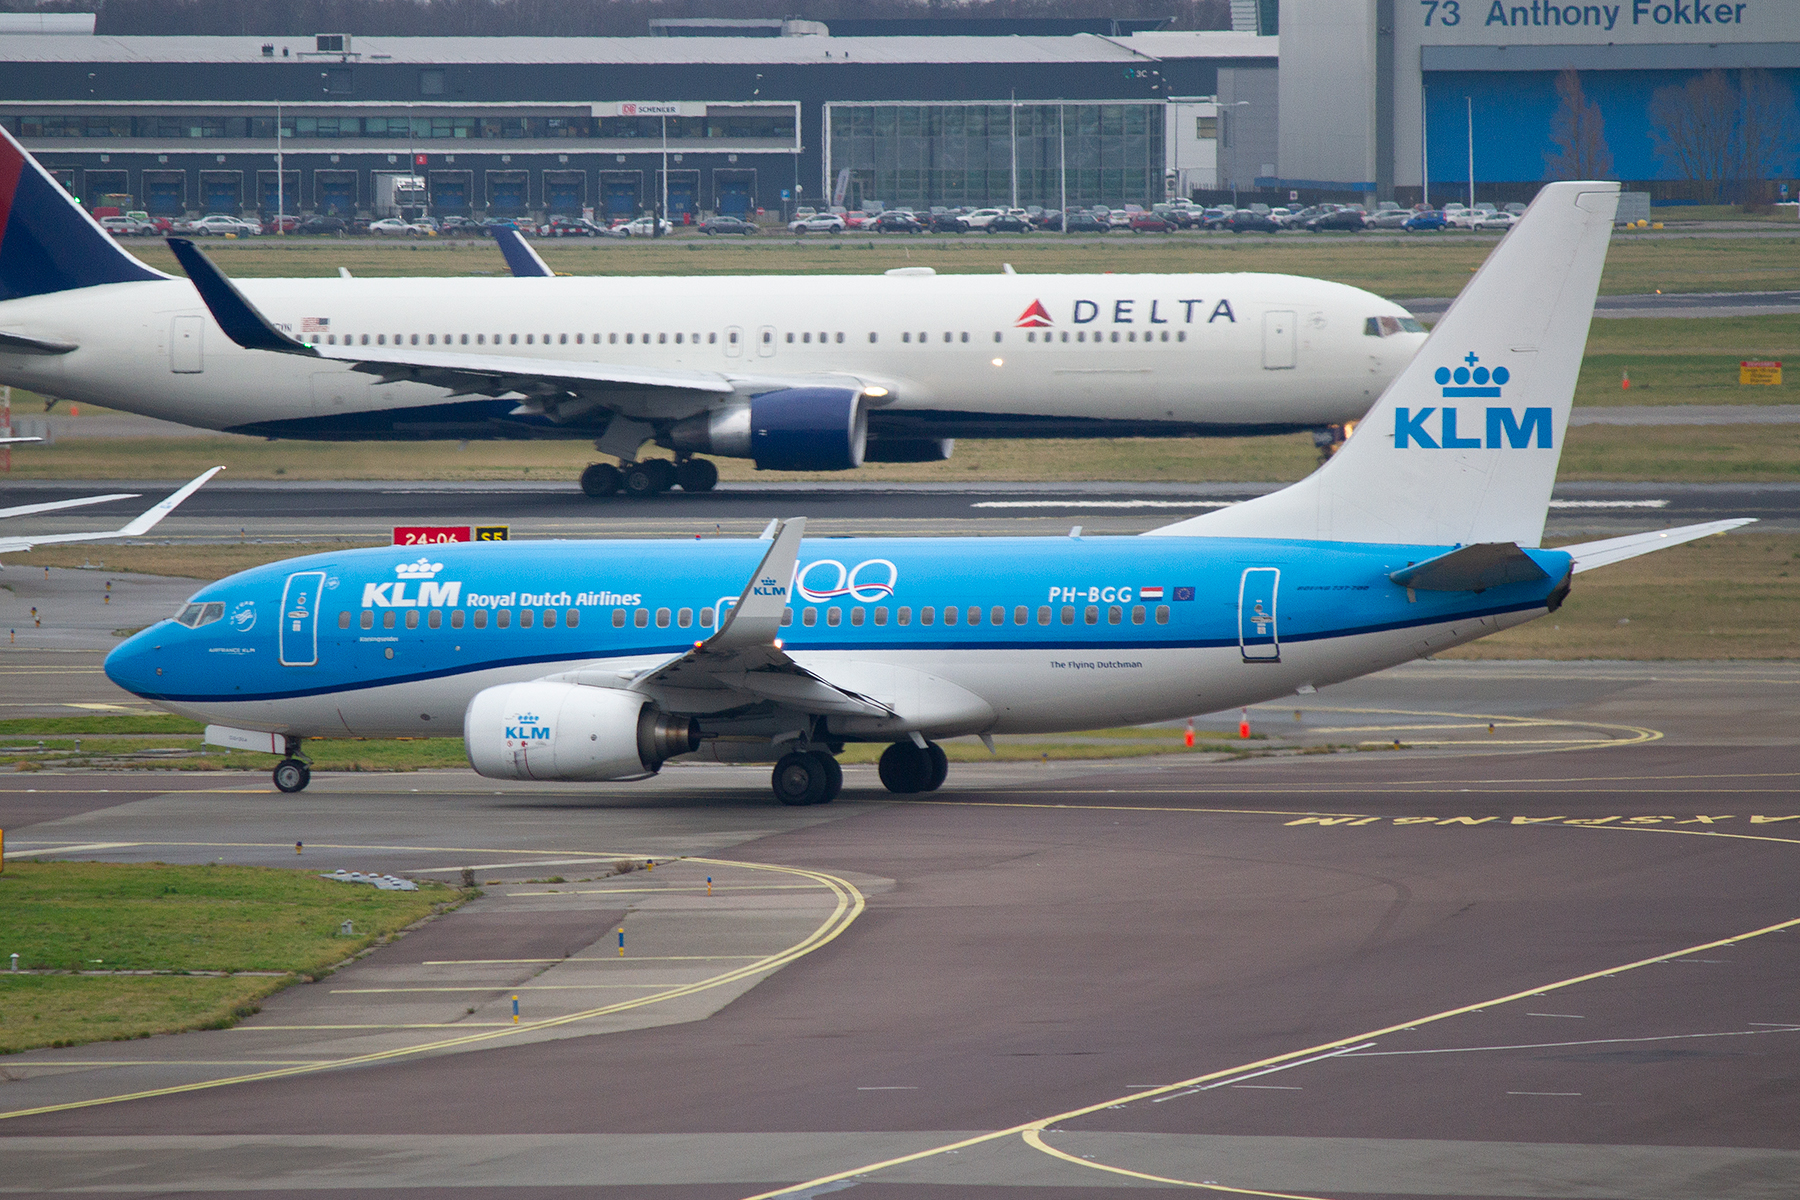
<point x="804" y="373"/>
<point x="601" y="660"/>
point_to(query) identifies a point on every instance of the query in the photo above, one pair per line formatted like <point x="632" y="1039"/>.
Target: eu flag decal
<point x="1184" y="593"/>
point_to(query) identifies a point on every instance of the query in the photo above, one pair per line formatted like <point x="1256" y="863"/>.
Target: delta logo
<point x="1456" y="427"/>
<point x="1035" y="317"/>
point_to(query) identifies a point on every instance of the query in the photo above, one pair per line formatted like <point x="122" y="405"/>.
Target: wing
<point x="142" y="524"/>
<point x="26" y="510"/>
<point x="743" y="662"/>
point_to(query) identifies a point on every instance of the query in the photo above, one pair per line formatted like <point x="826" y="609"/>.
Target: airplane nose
<point x="135" y="664"/>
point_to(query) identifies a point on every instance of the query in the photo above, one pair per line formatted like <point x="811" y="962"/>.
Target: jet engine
<point x="794" y="429"/>
<point x="549" y="730"/>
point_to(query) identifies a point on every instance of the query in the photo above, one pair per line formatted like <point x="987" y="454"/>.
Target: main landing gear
<point x="907" y="768"/>
<point x="650" y="476"/>
<point x="807" y="777"/>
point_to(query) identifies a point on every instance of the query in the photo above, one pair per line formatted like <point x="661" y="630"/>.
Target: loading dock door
<point x="619" y="193"/>
<point x="222" y="192"/>
<point x="507" y="192"/>
<point x="1278" y="341"/>
<point x="185" y="335"/>
<point x="165" y="193"/>
<point x="565" y="192"/>
<point x="733" y="197"/>
<point x="684" y="194"/>
<point x="450" y="191"/>
<point x="336" y="191"/>
<point x="287" y="198"/>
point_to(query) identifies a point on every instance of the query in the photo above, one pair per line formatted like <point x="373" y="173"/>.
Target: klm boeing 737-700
<point x="603" y="660"/>
<point x="807" y="373"/>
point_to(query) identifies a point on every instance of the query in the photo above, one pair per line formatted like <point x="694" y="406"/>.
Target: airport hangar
<point x="516" y="126"/>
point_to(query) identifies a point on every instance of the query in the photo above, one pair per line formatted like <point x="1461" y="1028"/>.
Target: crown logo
<point x="1471" y="381"/>
<point x="527" y="718"/>
<point x="423" y="569"/>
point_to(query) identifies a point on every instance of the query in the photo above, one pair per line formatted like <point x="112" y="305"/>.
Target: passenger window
<point x="856" y="616"/>
<point x="1043" y="614"/>
<point x="368" y="619"/>
<point x="927" y="615"/>
<point x="1021" y="615"/>
<point x="949" y="614"/>
<point x="805" y="337"/>
<point x="974" y="615"/>
<point x="503" y="618"/>
<point x="574" y="618"/>
<point x="881" y="616"/>
<point x="713" y="338"/>
<point x="810" y="617"/>
<point x="412" y="618"/>
<point x="1068" y="614"/>
<point x="435" y="619"/>
<point x="662" y="618"/>
<point x="618" y="618"/>
<point x="998" y="616"/>
<point x="906" y="337"/>
<point x="678" y="339"/>
<point x="840" y="338"/>
<point x="685" y="617"/>
<point x="1092" y="614"/>
<point x="526" y="618"/>
<point x="549" y="618"/>
<point x="790" y="338"/>
<point x="641" y="618"/>
<point x="387" y="619"/>
<point x="1115" y="615"/>
<point x="904" y="616"/>
<point x="456" y="619"/>
<point x="1137" y="614"/>
<point x="430" y="339"/>
<point x="873" y="337"/>
<point x="834" y="615"/>
<point x="562" y="339"/>
<point x="787" y="616"/>
<point x="344" y="619"/>
<point x="612" y="339"/>
<point x="481" y="339"/>
<point x="481" y="618"/>
<point x="1162" y="614"/>
<point x="530" y="339"/>
<point x="965" y="337"/>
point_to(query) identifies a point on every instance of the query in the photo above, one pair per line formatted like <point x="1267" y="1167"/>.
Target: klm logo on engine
<point x="528" y="729"/>
<point x="1454" y="427"/>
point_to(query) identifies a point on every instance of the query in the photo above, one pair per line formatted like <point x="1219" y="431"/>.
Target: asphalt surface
<point x="233" y="511"/>
<point x="1538" y="962"/>
<point x="1656" y="304"/>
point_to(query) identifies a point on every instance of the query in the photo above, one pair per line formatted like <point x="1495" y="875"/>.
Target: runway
<point x="1549" y="961"/>
<point x="230" y="511"/>
<point x="1655" y="304"/>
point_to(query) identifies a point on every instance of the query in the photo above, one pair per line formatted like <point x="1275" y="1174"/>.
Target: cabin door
<point x="184" y="346"/>
<point x="1278" y="341"/>
<point x="1257" y="637"/>
<point x="300" y="619"/>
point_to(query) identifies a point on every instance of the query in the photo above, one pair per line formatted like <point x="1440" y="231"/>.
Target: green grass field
<point x="1416" y="265"/>
<point x="74" y="925"/>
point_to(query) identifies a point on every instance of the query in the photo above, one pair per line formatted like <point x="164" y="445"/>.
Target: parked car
<point x="219" y="223"/>
<point x="1085" y="222"/>
<point x="1245" y="221"/>
<point x="126" y="226"/>
<point x="286" y="223"/>
<point x="1009" y="222"/>
<point x="979" y="218"/>
<point x="1429" y="221"/>
<point x="395" y="227"/>
<point x="460" y="226"/>
<point x="818" y="223"/>
<point x="322" y="225"/>
<point x="646" y="227"/>
<point x="722" y="224"/>
<point x="896" y="221"/>
<point x="947" y="222"/>
<point x="1150" y="222"/>
<point x="1495" y="220"/>
<point x="567" y="227"/>
<point x="1389" y="215"/>
<point x="1342" y="219"/>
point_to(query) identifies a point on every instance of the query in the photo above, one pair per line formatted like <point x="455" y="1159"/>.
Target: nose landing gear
<point x="292" y="775"/>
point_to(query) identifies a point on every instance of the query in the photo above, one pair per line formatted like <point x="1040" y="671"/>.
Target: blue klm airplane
<point x="603" y="660"/>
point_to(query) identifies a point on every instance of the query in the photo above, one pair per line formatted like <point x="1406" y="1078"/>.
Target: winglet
<point x="145" y="521"/>
<point x="239" y="318"/>
<point x="756" y="618"/>
<point x="521" y="259"/>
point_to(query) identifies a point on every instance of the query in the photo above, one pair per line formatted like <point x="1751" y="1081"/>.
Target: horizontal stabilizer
<point x="20" y="343"/>
<point x="521" y="259"/>
<point x="240" y="319"/>
<point x="1589" y="555"/>
<point x="1471" y="569"/>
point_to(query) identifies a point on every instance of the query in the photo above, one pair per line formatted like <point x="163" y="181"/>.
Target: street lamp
<point x="1231" y="127"/>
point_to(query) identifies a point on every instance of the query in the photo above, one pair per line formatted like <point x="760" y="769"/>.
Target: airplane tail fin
<point x="1462" y="447"/>
<point x="49" y="243"/>
<point x="521" y="259"/>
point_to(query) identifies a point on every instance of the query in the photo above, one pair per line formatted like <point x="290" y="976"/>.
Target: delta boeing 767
<point x="602" y="660"/>
<point x="808" y="373"/>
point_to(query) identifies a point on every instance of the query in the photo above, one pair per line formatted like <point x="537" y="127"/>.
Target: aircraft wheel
<point x="940" y="766"/>
<point x="800" y="778"/>
<point x="697" y="475"/>
<point x="292" y="775"/>
<point x="834" y="777"/>
<point x="600" y="479"/>
<point x="649" y="477"/>
<point x="905" y="769"/>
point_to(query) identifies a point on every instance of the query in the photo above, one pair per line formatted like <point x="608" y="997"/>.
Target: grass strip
<point x="66" y="918"/>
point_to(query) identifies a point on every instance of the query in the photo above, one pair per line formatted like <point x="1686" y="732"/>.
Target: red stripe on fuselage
<point x="12" y="162"/>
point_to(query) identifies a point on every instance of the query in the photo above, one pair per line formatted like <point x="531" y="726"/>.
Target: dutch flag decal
<point x="1150" y="593"/>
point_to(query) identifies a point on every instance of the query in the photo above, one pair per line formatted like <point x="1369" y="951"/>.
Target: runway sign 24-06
<point x="433" y="535"/>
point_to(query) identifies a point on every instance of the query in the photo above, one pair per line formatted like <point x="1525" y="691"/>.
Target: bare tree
<point x="1767" y="132"/>
<point x="1723" y="135"/>
<point x="1578" y="132"/>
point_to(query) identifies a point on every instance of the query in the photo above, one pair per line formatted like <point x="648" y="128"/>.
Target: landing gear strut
<point x="807" y="777"/>
<point x="649" y="477"/>
<point x="906" y="768"/>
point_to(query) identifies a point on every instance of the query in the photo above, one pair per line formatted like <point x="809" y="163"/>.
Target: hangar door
<point x="1278" y="341"/>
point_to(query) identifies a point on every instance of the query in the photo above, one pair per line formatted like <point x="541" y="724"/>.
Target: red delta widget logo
<point x="1501" y="427"/>
<point x="1131" y="312"/>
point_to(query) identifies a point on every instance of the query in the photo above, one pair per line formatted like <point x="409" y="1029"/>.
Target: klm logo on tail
<point x="1496" y="428"/>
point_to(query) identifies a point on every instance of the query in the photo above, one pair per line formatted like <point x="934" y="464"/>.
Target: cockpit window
<point x="1389" y="326"/>
<point x="196" y="615"/>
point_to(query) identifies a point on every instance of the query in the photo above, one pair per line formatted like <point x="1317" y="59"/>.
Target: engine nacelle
<point x="547" y="730"/>
<point x="794" y="429"/>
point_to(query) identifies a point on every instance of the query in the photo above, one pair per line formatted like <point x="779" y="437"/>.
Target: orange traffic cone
<point x="1243" y="722"/>
<point x="1625" y="381"/>
<point x="1189" y="738"/>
